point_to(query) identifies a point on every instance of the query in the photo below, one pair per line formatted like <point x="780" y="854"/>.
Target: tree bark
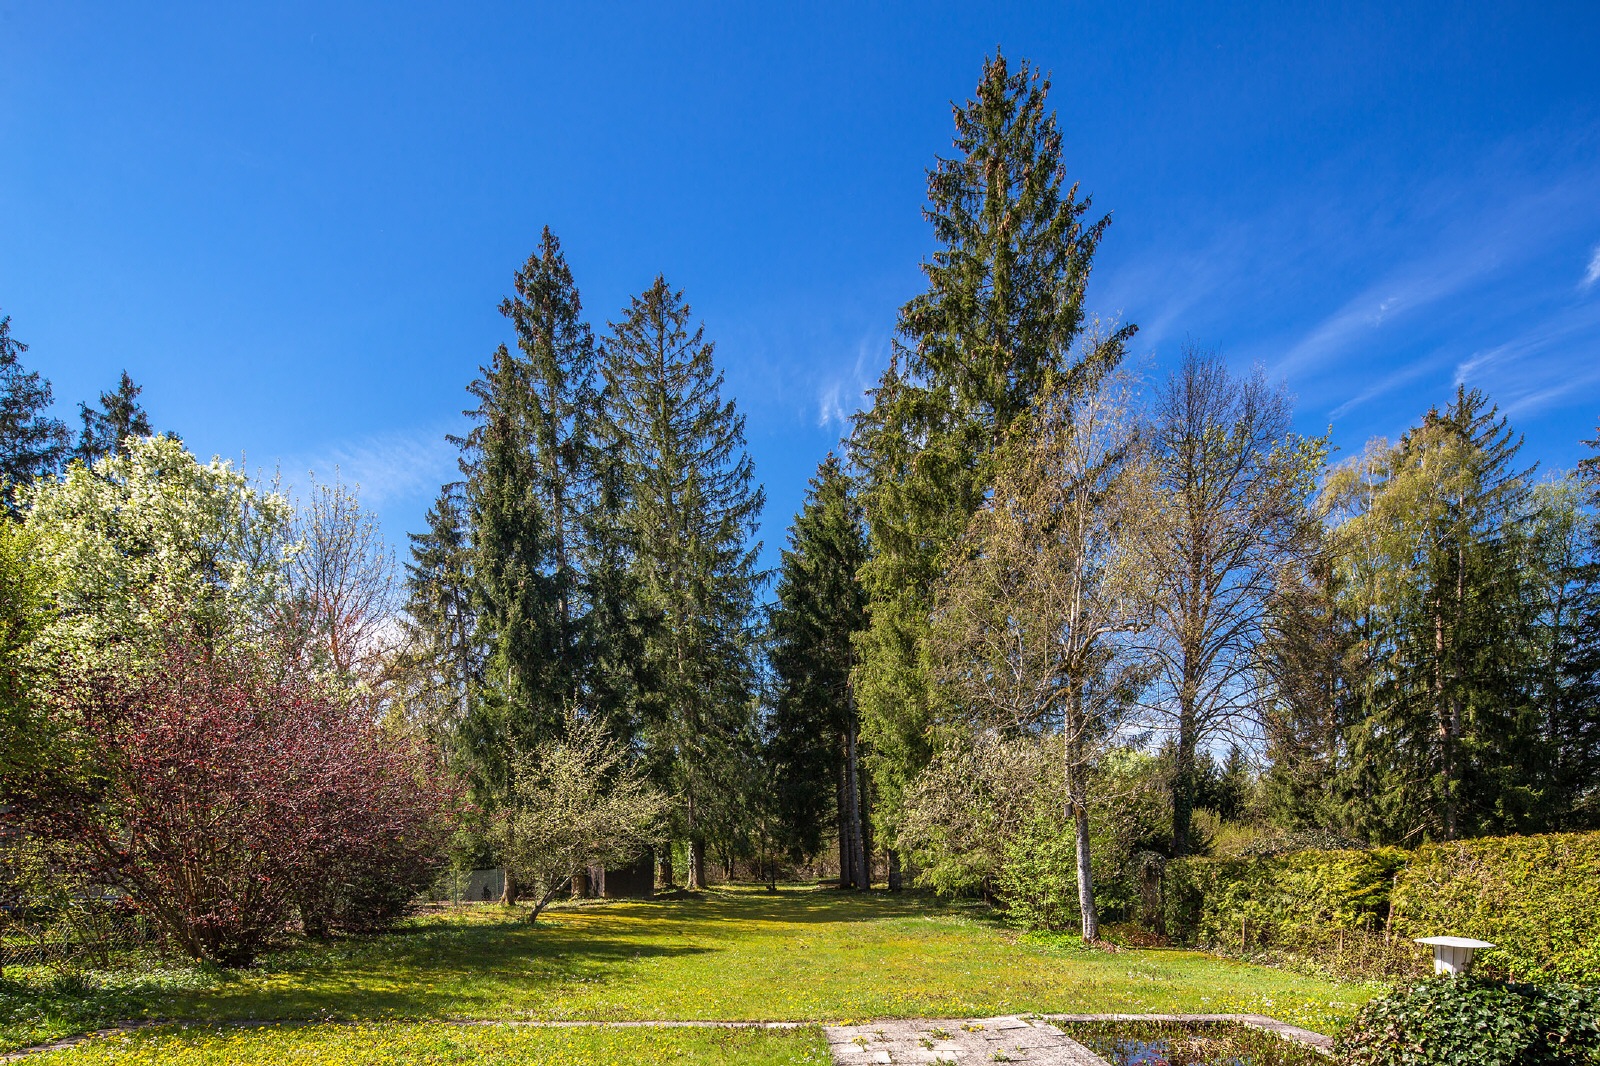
<point x="842" y="787"/>
<point x="666" y="866"/>
<point x="1080" y="819"/>
<point x="895" y="881"/>
<point x="1183" y="778"/>
<point x="508" y="893"/>
<point x="697" y="861"/>
<point x="862" y="877"/>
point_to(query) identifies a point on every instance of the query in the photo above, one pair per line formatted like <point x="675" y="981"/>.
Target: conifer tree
<point x="1432" y="582"/>
<point x="32" y="444"/>
<point x="1002" y="315"/>
<point x="690" y="512"/>
<point x="528" y="463"/>
<point x="522" y="701"/>
<point x="107" y="428"/>
<point x="820" y="608"/>
<point x="439" y="610"/>
<point x="557" y="358"/>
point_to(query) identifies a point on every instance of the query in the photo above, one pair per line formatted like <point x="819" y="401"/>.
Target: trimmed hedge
<point x="1537" y="898"/>
<point x="1262" y="902"/>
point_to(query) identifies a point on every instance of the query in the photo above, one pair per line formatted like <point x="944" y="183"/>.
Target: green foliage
<point x="688" y="515"/>
<point x="1537" y="898"/>
<point x="32" y="444"/>
<point x="1287" y="899"/>
<point x="1001" y="317"/>
<point x="150" y="537"/>
<point x="1470" y="1021"/>
<point x="106" y="430"/>
<point x="820" y="607"/>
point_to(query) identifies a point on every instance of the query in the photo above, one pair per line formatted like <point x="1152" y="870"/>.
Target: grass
<point x="401" y="1044"/>
<point x="738" y="954"/>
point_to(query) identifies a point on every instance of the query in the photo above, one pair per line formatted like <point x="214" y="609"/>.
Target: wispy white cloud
<point x="1407" y="290"/>
<point x="1405" y="375"/>
<point x="384" y="467"/>
<point x="1592" y="275"/>
<point x="843" y="392"/>
<point x="1535" y="401"/>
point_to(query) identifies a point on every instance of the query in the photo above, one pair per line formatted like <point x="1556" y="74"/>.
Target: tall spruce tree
<point x="1561" y="574"/>
<point x="557" y="357"/>
<point x="814" y="741"/>
<point x="522" y="700"/>
<point x="439" y="610"/>
<point x="527" y="465"/>
<point x="1002" y="315"/>
<point x="1431" y="561"/>
<point x="32" y="444"/>
<point x="107" y="428"/>
<point x="690" y="513"/>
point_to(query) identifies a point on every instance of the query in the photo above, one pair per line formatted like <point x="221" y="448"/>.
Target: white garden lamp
<point x="1453" y="954"/>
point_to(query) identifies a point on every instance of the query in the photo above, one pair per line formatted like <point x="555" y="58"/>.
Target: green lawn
<point x="406" y="1043"/>
<point x="740" y="954"/>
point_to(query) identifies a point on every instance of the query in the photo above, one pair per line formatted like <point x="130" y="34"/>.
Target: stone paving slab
<point x="1007" y="1038"/>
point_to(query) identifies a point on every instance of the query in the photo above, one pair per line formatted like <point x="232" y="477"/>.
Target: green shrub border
<point x="1537" y="898"/>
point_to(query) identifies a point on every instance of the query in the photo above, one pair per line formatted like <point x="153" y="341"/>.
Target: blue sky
<point x="293" y="226"/>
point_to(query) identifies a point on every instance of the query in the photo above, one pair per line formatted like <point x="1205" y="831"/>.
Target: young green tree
<point x="32" y="444"/>
<point x="1230" y="512"/>
<point x="106" y="429"/>
<point x="1029" y="623"/>
<point x="1001" y="316"/>
<point x="820" y="608"/>
<point x="690" y="513"/>
<point x="1433" y="580"/>
<point x="579" y="801"/>
<point x="443" y="655"/>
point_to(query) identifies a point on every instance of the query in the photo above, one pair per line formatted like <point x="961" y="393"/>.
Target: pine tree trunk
<point x="666" y="866"/>
<point x="842" y="787"/>
<point x="895" y="883"/>
<point x="697" y="861"/>
<point x="862" y="878"/>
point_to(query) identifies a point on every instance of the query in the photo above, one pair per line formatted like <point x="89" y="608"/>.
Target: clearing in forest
<point x="801" y="954"/>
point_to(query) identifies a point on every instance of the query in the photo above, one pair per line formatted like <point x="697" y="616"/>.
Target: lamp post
<point x="1453" y="954"/>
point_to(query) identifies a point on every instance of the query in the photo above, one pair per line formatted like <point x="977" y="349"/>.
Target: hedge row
<point x="1537" y="898"/>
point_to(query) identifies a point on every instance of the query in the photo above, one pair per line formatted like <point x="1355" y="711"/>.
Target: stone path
<point x="971" y="1040"/>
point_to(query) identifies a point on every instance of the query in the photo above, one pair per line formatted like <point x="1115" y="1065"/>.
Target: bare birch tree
<point x="342" y="585"/>
<point x="1228" y="514"/>
<point x="1028" y="621"/>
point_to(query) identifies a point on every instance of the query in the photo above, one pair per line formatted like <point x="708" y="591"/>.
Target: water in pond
<point x="1185" y="1044"/>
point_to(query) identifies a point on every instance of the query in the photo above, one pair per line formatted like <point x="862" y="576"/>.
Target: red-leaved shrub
<point x="221" y="799"/>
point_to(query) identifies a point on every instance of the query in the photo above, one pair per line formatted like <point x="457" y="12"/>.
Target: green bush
<point x="1275" y="899"/>
<point x="1536" y="898"/>
<point x="1471" y="1021"/>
